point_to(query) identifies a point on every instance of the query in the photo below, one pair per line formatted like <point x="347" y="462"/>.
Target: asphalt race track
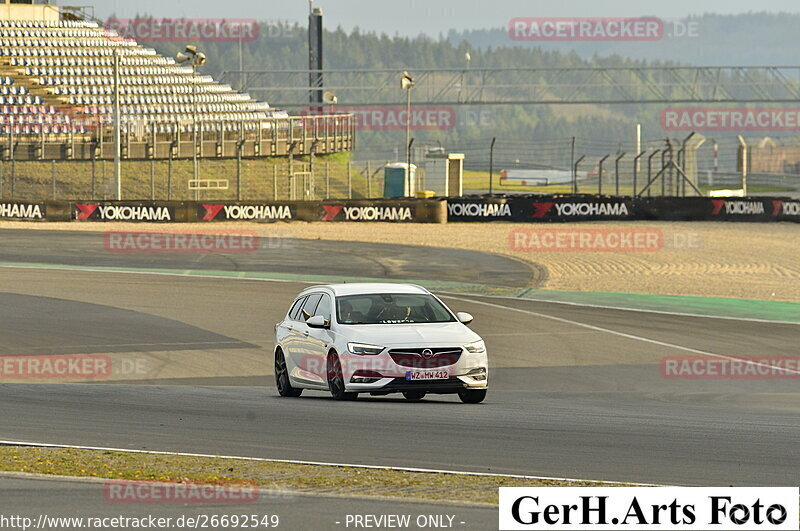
<point x="276" y="255"/>
<point x="575" y="391"/>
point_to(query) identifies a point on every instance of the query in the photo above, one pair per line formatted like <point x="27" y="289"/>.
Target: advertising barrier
<point x="597" y="208"/>
<point x="23" y="210"/>
<point x="518" y="209"/>
<point x="481" y="209"/>
<point x="718" y="209"/>
<point x="371" y="210"/>
<point x="786" y="209"/>
<point x="541" y="208"/>
<point x="396" y="210"/>
<point x="263" y="211"/>
<point x="575" y="208"/>
<point x="674" y="208"/>
<point x="144" y="211"/>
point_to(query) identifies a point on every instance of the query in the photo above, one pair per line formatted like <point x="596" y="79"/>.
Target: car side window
<point x="310" y="306"/>
<point x="324" y="307"/>
<point x="295" y="311"/>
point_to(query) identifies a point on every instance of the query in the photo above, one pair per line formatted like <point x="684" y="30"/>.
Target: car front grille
<point x="426" y="358"/>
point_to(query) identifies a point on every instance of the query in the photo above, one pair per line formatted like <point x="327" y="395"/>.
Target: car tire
<point x="472" y="396"/>
<point x="414" y="395"/>
<point x="336" y="379"/>
<point x="282" y="377"/>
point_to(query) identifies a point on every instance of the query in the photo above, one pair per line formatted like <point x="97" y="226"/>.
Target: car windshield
<point x="388" y="308"/>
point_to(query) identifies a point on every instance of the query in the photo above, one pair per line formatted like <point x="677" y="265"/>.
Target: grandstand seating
<point x="57" y="99"/>
<point x="57" y="77"/>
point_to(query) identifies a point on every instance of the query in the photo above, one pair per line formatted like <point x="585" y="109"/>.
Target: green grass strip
<point x="276" y="476"/>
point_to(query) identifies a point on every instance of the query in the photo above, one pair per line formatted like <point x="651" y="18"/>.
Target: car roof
<point x="367" y="288"/>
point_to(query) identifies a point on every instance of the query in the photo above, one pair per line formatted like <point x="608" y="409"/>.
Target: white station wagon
<point x="378" y="339"/>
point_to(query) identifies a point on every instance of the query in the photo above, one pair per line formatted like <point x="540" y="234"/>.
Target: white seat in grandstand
<point x="73" y="60"/>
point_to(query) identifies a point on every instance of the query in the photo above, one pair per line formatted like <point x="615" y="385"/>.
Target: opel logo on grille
<point x="427" y="353"/>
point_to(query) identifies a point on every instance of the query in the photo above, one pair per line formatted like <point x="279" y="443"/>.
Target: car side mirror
<point x="317" y="322"/>
<point x="464" y="317"/>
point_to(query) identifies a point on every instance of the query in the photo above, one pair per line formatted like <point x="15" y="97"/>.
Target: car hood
<point x="429" y="334"/>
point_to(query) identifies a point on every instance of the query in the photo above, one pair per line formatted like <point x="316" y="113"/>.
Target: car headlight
<point x="362" y="349"/>
<point x="478" y="347"/>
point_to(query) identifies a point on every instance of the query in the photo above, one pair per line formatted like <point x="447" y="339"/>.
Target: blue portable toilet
<point x="395" y="181"/>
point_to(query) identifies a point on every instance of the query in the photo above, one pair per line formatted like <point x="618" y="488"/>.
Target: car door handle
<point x="305" y="333"/>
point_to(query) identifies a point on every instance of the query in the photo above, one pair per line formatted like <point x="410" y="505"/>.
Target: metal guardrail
<point x="266" y="179"/>
<point x="301" y="135"/>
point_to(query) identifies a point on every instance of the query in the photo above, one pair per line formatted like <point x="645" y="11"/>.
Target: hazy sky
<point x="431" y="16"/>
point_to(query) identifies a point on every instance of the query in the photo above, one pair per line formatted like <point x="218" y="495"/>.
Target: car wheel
<point x="336" y="379"/>
<point x="282" y="377"/>
<point x="472" y="396"/>
<point x="414" y="395"/>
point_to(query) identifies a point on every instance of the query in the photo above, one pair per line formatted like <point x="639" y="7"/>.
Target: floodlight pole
<point x="408" y="137"/>
<point x="491" y="163"/>
<point x="574" y="167"/>
<point x="117" y="127"/>
<point x="743" y="144"/>
<point x="408" y="165"/>
<point x="407" y="83"/>
<point x="241" y="62"/>
<point x="196" y="170"/>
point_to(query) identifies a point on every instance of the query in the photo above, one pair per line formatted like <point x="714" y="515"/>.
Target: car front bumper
<point x="399" y="385"/>
<point x="471" y="371"/>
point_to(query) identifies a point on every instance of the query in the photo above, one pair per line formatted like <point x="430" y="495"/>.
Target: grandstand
<point x="57" y="80"/>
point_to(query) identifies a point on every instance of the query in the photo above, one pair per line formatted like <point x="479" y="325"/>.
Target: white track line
<point x="537" y="314"/>
<point x="176" y="273"/>
<point x="624" y="309"/>
<point x="316" y="463"/>
<point x="623" y="334"/>
<point x="187" y="274"/>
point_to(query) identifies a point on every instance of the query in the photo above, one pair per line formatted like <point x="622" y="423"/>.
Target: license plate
<point x="427" y="375"/>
